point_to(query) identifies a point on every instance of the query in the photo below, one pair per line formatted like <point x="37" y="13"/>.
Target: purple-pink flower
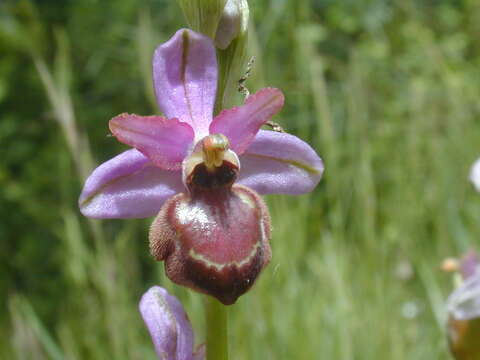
<point x="169" y="326"/>
<point x="463" y="307"/>
<point x="201" y="174"/>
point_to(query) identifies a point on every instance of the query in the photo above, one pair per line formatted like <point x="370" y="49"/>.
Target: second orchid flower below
<point x="201" y="174"/>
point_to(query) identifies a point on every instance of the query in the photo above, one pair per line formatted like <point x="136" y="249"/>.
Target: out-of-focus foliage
<point x="386" y="91"/>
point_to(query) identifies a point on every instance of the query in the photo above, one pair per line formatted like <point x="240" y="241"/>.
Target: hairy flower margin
<point x="169" y="326"/>
<point x="201" y="174"/>
<point x="463" y="307"/>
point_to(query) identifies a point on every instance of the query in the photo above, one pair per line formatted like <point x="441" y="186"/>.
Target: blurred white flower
<point x="475" y="175"/>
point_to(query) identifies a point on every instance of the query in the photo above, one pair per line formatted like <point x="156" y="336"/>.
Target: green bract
<point x="203" y="16"/>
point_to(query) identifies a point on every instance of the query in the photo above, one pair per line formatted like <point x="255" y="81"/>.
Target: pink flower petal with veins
<point x="128" y="186"/>
<point x="168" y="324"/>
<point x="185" y="78"/>
<point x="164" y="142"/>
<point x="280" y="163"/>
<point x="241" y="124"/>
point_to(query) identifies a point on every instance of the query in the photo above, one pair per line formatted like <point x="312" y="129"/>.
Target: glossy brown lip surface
<point x="463" y="338"/>
<point x="203" y="179"/>
<point x="213" y="240"/>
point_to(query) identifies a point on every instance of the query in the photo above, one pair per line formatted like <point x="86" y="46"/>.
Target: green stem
<point x="217" y="329"/>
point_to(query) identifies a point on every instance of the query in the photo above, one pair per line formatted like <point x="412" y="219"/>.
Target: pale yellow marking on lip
<point x="220" y="267"/>
<point x="246" y="199"/>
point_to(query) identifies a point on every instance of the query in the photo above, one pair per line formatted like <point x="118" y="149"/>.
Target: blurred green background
<point x="387" y="92"/>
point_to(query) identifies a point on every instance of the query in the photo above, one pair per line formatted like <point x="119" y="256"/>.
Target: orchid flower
<point x="464" y="311"/>
<point x="169" y="326"/>
<point x="201" y="174"/>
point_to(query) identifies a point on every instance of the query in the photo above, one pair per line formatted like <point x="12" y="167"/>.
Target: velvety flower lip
<point x="169" y="326"/>
<point x="136" y="183"/>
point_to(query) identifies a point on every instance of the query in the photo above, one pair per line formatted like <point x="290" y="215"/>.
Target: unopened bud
<point x="234" y="22"/>
<point x="203" y="16"/>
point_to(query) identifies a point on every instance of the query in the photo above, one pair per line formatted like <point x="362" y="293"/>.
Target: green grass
<point x="388" y="94"/>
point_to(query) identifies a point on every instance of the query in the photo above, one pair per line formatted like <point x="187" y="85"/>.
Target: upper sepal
<point x="185" y="78"/>
<point x="215" y="242"/>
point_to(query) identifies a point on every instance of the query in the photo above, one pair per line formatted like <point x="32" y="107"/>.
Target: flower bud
<point x="168" y="324"/>
<point x="231" y="41"/>
<point x="234" y="22"/>
<point x="203" y="16"/>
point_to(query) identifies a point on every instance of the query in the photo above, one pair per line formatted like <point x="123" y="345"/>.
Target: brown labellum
<point x="463" y="336"/>
<point x="215" y="239"/>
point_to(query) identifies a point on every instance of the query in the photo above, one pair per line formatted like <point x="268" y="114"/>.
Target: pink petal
<point x="164" y="142"/>
<point x="241" y="124"/>
<point x="464" y="302"/>
<point x="469" y="264"/>
<point x="128" y="186"/>
<point x="168" y="324"/>
<point x="185" y="78"/>
<point x="280" y="163"/>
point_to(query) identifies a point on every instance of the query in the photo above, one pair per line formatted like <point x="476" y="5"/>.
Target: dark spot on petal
<point x="203" y="178"/>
